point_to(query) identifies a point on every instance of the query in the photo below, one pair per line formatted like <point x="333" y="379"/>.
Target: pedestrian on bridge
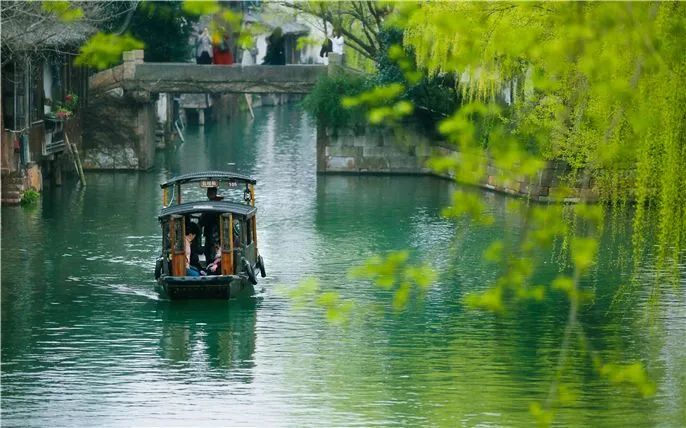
<point x="203" y="48"/>
<point x="275" y="48"/>
<point x="222" y="51"/>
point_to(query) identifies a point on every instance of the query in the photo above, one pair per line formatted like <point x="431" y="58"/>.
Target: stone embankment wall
<point x="384" y="151"/>
<point x="120" y="125"/>
<point x="121" y="133"/>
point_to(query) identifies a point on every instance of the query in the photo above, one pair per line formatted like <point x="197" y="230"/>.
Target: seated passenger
<point x="196" y="248"/>
<point x="214" y="268"/>
<point x="191" y="233"/>
<point x="210" y="226"/>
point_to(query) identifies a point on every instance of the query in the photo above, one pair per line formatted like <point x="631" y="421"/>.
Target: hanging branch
<point x="368" y="49"/>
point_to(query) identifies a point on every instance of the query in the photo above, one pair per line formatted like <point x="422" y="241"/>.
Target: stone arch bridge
<point x="120" y="120"/>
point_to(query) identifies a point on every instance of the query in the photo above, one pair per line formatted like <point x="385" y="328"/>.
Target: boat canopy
<point x="208" y="176"/>
<point x="218" y="207"/>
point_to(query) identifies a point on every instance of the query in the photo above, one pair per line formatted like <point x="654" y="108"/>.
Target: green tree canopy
<point x="165" y="28"/>
<point x="599" y="85"/>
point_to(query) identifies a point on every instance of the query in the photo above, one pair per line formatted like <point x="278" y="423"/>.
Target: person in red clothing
<point x="222" y="51"/>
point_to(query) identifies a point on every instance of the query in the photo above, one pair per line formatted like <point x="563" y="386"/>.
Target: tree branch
<point x="367" y="50"/>
<point x="372" y="9"/>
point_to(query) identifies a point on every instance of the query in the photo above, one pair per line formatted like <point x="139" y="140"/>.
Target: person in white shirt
<point x="338" y="42"/>
<point x="203" y="46"/>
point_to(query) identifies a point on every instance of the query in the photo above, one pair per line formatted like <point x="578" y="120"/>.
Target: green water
<point x="87" y="342"/>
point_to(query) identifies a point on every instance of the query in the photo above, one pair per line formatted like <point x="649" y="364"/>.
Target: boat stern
<point x="204" y="287"/>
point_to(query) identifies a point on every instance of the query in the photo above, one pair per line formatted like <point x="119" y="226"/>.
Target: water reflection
<point x="87" y="342"/>
<point x="216" y="334"/>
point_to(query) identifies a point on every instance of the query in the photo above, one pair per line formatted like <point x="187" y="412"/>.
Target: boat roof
<point x="208" y="175"/>
<point x="218" y="207"/>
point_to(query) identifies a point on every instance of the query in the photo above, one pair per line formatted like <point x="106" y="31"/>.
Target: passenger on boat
<point x="191" y="233"/>
<point x="212" y="194"/>
<point x="210" y="226"/>
<point x="214" y="268"/>
<point x="196" y="247"/>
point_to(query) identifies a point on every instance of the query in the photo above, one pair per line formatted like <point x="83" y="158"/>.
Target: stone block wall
<point x="119" y="133"/>
<point x="373" y="151"/>
<point x="383" y="151"/>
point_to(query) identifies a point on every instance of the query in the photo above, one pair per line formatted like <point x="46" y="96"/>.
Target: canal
<point x="87" y="342"/>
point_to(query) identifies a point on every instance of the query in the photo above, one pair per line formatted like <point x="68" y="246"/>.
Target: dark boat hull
<point x="204" y="287"/>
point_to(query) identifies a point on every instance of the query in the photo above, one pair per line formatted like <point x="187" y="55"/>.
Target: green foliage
<point x="374" y="96"/>
<point x="361" y="23"/>
<point x="231" y="18"/>
<point x="598" y="85"/>
<point x="30" y="198"/>
<point x="65" y="11"/>
<point x="392" y="273"/>
<point x="470" y="205"/>
<point x="201" y="7"/>
<point x="164" y="28"/>
<point x="105" y="50"/>
<point x="583" y="252"/>
<point x="434" y="97"/>
<point x="543" y="417"/>
<point x="631" y="374"/>
<point x="382" y="102"/>
<point x="395" y="273"/>
<point x="305" y="42"/>
<point x="325" y="101"/>
<point x="308" y="294"/>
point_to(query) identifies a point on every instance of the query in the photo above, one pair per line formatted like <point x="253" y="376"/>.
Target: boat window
<point x="178" y="233"/>
<point x="166" y="246"/>
<point x="248" y="232"/>
<point x="225" y="225"/>
<point x="238" y="232"/>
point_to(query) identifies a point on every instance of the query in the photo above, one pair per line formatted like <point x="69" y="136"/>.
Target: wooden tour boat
<point x="225" y="221"/>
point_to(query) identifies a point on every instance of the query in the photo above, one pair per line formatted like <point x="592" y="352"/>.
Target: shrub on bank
<point x="30" y="198"/>
<point x="324" y="102"/>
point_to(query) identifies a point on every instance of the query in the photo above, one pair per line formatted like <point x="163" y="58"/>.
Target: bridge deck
<point x="193" y="78"/>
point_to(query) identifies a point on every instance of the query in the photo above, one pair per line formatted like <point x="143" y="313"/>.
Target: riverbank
<point x="387" y="151"/>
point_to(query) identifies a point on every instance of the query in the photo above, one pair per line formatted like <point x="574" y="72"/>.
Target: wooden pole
<point x="227" y="250"/>
<point x="248" y="100"/>
<point x="77" y="159"/>
<point x="73" y="158"/>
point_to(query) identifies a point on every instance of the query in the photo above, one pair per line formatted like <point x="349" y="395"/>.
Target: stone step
<point x="10" y="201"/>
<point x="12" y="180"/>
<point x="12" y="194"/>
<point x="9" y="187"/>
